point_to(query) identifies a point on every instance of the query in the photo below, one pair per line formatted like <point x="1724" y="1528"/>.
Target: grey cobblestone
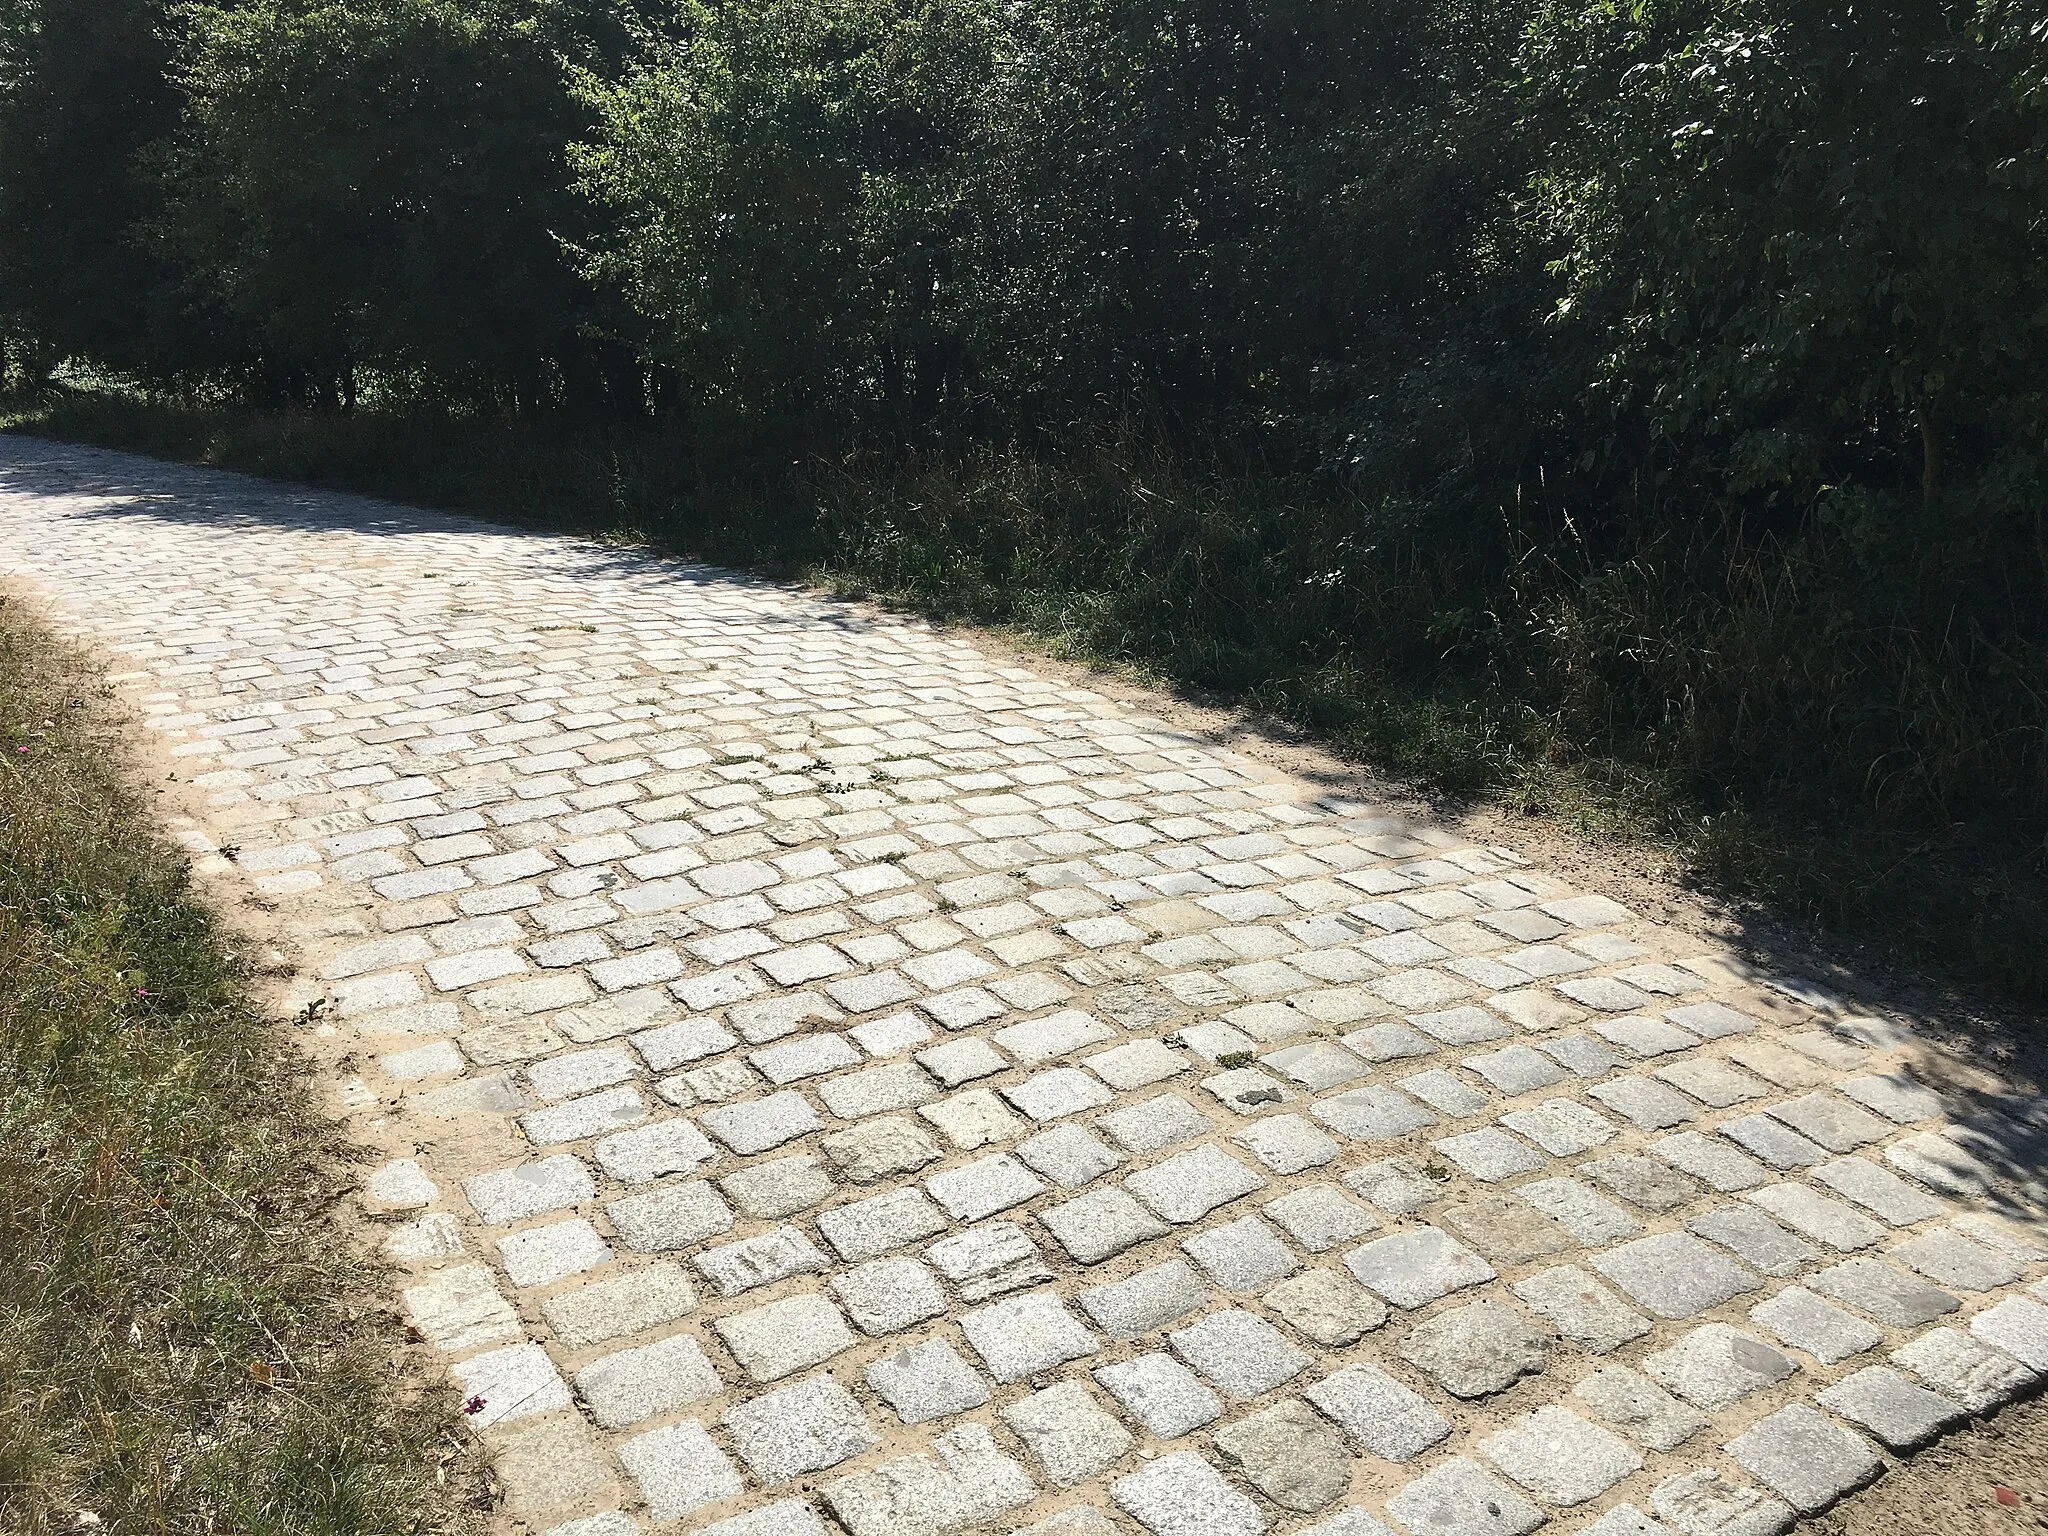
<point x="770" y="903"/>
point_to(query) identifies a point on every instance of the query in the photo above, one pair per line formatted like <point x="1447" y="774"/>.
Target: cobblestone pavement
<point x="832" y="1079"/>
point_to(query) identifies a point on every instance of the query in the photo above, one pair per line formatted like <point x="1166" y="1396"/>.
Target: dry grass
<point x="181" y="1345"/>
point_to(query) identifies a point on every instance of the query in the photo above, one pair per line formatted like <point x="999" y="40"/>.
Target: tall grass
<point x="1846" y="726"/>
<point x="183" y="1343"/>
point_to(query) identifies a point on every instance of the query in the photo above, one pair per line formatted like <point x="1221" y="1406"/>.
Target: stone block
<point x="1147" y="1301"/>
<point x="1244" y="1255"/>
<point x="784" y="1337"/>
<point x="1974" y="1374"/>
<point x="1066" y="1429"/>
<point x="1242" y="1355"/>
<point x="1188" y="1186"/>
<point x="1381" y="1416"/>
<point x="735" y="1268"/>
<point x="1290" y="1455"/>
<point x="966" y="1482"/>
<point x="1640" y="1408"/>
<point x="1900" y="1414"/>
<point x="867" y="1229"/>
<point x="889" y="1295"/>
<point x="1161" y="1393"/>
<point x="1024" y="1335"/>
<point x="1415" y="1267"/>
<point x="670" y="1216"/>
<point x="1715" y="1365"/>
<point x="1182" y="1495"/>
<point x="1477" y="1349"/>
<point x="634" y="1302"/>
<point x="679" y="1470"/>
<point x="927" y="1381"/>
<point x="1326" y="1306"/>
<point x="1069" y="1156"/>
<point x="1155" y="1124"/>
<point x="777" y="1188"/>
<point x="1461" y="1498"/>
<point x="1582" y="1309"/>
<point x="1703" y="1503"/>
<point x="623" y="1389"/>
<point x="1286" y="1143"/>
<point x="1319" y="1217"/>
<point x="1674" y="1274"/>
<point x="1892" y="1296"/>
<point x="1805" y="1457"/>
<point x="1800" y="1318"/>
<point x="1560" y="1457"/>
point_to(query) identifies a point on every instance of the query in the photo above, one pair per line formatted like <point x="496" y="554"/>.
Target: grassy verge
<point x="1807" y="739"/>
<point x="179" y="1347"/>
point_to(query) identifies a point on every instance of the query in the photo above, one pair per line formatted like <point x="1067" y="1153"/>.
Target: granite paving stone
<point x="1461" y="1498"/>
<point x="1674" y="1274"/>
<point x="1506" y="1230"/>
<point x="783" y="1337"/>
<point x="1378" y="1413"/>
<point x="889" y="1295"/>
<point x="1161" y="1393"/>
<point x="1239" y="1353"/>
<point x="679" y="1470"/>
<point x="1328" y="1307"/>
<point x="1477" y="1349"/>
<point x="1704" y="1503"/>
<point x="1641" y="1409"/>
<point x="1582" y="1309"/>
<point x="1800" y="1318"/>
<point x="635" y="1384"/>
<point x="1290" y="1454"/>
<point x="1755" y="1239"/>
<point x="1893" y="1297"/>
<point x="1023" y="1335"/>
<point x="808" y="1427"/>
<point x="1895" y="1410"/>
<point x="1244" y="1255"/>
<point x="1183" y="1495"/>
<point x="856" y="995"/>
<point x="1805" y="1458"/>
<point x="1560" y="1457"/>
<point x="1415" y="1267"/>
<point x="1962" y="1367"/>
<point x="1144" y="1302"/>
<point x="927" y="1381"/>
<point x="1068" y="1433"/>
<point x="1715" y="1365"/>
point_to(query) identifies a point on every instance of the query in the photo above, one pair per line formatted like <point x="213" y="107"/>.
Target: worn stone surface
<point x="757" y="986"/>
<point x="1900" y="1413"/>
<point x="1290" y="1454"/>
<point x="808" y="1427"/>
<point x="1068" y="1432"/>
<point x="1560" y="1457"/>
<point x="1639" y="1407"/>
<point x="1477" y="1349"/>
<point x="1161" y="1393"/>
<point x="1582" y="1309"/>
<point x="1183" y="1495"/>
<point x="1461" y="1498"/>
<point x="1805" y="1458"/>
<point x="1381" y="1416"/>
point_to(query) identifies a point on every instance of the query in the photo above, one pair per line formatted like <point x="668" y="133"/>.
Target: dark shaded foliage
<point x="1654" y="387"/>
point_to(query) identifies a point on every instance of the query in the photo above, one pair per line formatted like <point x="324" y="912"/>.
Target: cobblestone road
<point x="835" y="1080"/>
